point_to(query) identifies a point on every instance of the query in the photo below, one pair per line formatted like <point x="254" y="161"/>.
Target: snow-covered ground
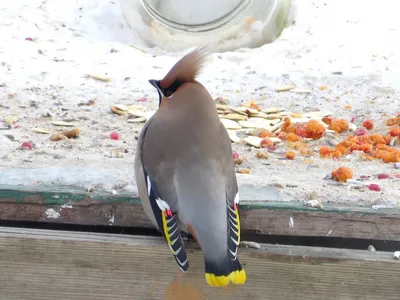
<point x="352" y="47"/>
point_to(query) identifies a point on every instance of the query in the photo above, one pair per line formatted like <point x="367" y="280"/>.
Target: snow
<point x="350" y="46"/>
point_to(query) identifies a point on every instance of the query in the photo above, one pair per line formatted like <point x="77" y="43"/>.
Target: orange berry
<point x="343" y="149"/>
<point x="381" y="146"/>
<point x="290" y="155"/>
<point x="364" y="139"/>
<point x="288" y="122"/>
<point x="342" y="174"/>
<point x="338" y="125"/>
<point x="266" y="143"/>
<point x="392" y="121"/>
<point x="394" y="132"/>
<point x="389" y="157"/>
<point x="325" y="152"/>
<point x="297" y="145"/>
<point x="337" y="154"/>
<point x="368" y="124"/>
<point x="305" y="151"/>
<point x="265" y="133"/>
<point x="291" y="129"/>
<point x="327" y="120"/>
<point x="314" y="129"/>
<point x="282" y="135"/>
<point x="377" y="139"/>
<point x="291" y="137"/>
<point x="355" y="147"/>
<point x="366" y="147"/>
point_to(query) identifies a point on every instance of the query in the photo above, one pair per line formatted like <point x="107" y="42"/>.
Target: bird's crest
<point x="185" y="70"/>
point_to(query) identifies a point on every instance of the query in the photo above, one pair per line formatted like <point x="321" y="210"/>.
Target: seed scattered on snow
<point x="137" y="120"/>
<point x="285" y="88"/>
<point x="40" y="130"/>
<point x="62" y="123"/>
<point x="121" y="107"/>
<point x="300" y="91"/>
<point x="254" y="141"/>
<point x="272" y="110"/>
<point x="232" y="135"/>
<point x="230" y="124"/>
<point x="235" y="117"/>
<point x="117" y="111"/>
<point x="98" y="77"/>
<point x="244" y="171"/>
<point x="140" y="113"/>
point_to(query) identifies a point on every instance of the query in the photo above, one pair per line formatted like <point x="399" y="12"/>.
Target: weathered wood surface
<point x="40" y="264"/>
<point x="264" y="217"/>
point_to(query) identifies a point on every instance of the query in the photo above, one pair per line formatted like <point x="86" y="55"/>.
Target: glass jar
<point x="176" y="25"/>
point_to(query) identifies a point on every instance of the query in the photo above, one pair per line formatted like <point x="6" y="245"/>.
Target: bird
<point x="185" y="173"/>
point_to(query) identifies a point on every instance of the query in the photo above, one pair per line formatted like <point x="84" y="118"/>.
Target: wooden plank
<point x="40" y="264"/>
<point x="263" y="217"/>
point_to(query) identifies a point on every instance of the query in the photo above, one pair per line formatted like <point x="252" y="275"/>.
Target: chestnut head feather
<point x="185" y="70"/>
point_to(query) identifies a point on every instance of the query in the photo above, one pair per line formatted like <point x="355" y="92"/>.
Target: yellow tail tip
<point x="214" y="280"/>
<point x="236" y="277"/>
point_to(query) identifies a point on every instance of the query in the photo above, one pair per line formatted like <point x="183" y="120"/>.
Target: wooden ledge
<point x="263" y="217"/>
<point x="41" y="264"/>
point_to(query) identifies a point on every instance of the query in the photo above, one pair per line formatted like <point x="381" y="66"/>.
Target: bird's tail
<point x="223" y="271"/>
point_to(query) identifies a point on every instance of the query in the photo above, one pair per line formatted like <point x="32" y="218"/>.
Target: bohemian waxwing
<point x="185" y="173"/>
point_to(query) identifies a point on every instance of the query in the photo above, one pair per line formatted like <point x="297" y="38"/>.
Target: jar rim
<point x="200" y="27"/>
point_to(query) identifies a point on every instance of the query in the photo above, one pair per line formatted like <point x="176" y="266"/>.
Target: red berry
<point x="368" y="124"/>
<point x="235" y="155"/>
<point x="26" y="146"/>
<point x="374" y="187"/>
<point x="114" y="135"/>
<point x="360" y="131"/>
<point x="383" y="176"/>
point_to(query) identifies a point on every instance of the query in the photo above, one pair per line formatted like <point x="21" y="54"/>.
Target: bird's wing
<point x="158" y="194"/>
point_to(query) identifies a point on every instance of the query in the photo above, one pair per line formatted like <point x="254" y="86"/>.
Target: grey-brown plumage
<point x="185" y="173"/>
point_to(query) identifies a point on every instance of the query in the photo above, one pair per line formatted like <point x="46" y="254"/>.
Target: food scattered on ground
<point x="26" y="146"/>
<point x="68" y="134"/>
<point x="342" y="174"/>
<point x="114" y="135"/>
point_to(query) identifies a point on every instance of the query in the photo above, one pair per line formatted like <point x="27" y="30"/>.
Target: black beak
<point x="154" y="83"/>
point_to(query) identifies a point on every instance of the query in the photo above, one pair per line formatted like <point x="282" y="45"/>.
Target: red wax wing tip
<point x="234" y="206"/>
<point x="26" y="146"/>
<point x="169" y="213"/>
<point x="383" y="176"/>
<point x="114" y="135"/>
<point x="374" y="187"/>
